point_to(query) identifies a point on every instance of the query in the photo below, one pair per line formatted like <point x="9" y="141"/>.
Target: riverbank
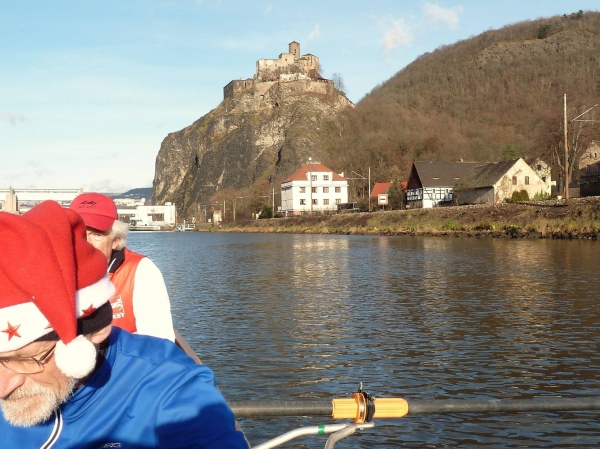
<point x="578" y="218"/>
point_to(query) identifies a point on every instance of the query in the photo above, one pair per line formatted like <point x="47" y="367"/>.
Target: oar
<point x="357" y="409"/>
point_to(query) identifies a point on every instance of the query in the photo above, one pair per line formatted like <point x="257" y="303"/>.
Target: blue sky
<point x="88" y="90"/>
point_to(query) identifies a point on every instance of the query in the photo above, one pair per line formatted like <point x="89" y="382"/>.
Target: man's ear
<point x="101" y="335"/>
<point x="115" y="243"/>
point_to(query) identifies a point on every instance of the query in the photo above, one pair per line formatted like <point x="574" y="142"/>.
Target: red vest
<point x="122" y="302"/>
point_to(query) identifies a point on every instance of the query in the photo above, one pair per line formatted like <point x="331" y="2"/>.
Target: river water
<point x="292" y="317"/>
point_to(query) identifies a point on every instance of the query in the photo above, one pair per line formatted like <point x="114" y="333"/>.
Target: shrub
<point x="543" y="31"/>
<point x="520" y="196"/>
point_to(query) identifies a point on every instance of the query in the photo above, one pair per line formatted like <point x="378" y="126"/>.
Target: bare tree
<point x="338" y="82"/>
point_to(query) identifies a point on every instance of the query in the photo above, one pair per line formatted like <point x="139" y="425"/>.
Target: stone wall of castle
<point x="288" y="67"/>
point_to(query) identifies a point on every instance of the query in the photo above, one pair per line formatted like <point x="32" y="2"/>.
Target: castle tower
<point x="295" y="50"/>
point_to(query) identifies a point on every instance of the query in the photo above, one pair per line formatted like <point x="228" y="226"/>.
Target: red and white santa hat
<point x="50" y="277"/>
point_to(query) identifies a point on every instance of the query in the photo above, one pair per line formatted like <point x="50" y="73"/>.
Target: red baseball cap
<point x="98" y="211"/>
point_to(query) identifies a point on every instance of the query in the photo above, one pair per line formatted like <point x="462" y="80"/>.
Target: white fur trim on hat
<point x="76" y="359"/>
<point x="93" y="295"/>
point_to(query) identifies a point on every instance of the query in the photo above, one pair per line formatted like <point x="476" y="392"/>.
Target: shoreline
<point x="579" y="219"/>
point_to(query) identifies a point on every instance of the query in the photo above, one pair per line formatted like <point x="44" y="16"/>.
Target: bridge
<point x="31" y="197"/>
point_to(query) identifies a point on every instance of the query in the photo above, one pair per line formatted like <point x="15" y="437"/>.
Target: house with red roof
<point x="313" y="188"/>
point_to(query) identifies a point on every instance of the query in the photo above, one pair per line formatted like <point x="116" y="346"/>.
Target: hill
<point x="495" y="96"/>
<point x="137" y="194"/>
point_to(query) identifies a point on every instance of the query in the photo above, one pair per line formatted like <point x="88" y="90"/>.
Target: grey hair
<point x="119" y="231"/>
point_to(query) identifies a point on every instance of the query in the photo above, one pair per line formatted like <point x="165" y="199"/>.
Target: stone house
<point x="431" y="184"/>
<point x="313" y="188"/>
<point x="589" y="170"/>
<point x="495" y="182"/>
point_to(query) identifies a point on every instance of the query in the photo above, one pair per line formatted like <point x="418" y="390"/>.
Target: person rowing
<point x="67" y="377"/>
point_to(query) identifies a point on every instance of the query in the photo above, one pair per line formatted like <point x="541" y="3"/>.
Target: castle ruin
<point x="288" y="67"/>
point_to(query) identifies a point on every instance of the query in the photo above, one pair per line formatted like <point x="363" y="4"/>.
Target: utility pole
<point x="369" y="189"/>
<point x="566" y="152"/>
<point x="273" y="202"/>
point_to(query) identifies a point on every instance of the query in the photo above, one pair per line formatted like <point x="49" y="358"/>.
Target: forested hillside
<point x="494" y="96"/>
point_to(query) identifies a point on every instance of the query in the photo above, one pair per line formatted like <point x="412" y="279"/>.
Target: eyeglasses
<point x="27" y="365"/>
<point x="96" y="236"/>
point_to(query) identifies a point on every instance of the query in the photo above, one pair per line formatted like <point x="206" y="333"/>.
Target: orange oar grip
<point x="354" y="408"/>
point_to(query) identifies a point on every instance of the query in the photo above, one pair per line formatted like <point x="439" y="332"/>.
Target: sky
<point x="89" y="89"/>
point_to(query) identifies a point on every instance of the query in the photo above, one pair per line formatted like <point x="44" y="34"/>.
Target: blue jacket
<point x="146" y="394"/>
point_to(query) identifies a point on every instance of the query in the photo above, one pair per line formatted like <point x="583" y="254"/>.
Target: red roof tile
<point x="383" y="187"/>
<point x="301" y="173"/>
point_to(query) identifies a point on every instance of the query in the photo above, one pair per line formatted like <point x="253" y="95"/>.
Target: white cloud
<point x="399" y="35"/>
<point x="269" y="8"/>
<point x="13" y="117"/>
<point x="313" y="34"/>
<point x="435" y="14"/>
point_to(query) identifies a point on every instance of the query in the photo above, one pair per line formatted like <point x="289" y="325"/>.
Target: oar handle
<point x="353" y="408"/>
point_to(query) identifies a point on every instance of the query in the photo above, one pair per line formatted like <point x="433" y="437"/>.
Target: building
<point x="544" y="171"/>
<point x="148" y="216"/>
<point x="21" y="200"/>
<point x="497" y="181"/>
<point x="313" y="188"/>
<point x="430" y="184"/>
<point x="288" y="67"/>
<point x="382" y="188"/>
<point x="589" y="170"/>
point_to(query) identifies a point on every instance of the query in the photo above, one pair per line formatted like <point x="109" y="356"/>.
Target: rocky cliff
<point x="247" y="144"/>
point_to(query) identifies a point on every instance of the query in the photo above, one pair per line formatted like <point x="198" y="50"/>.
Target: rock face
<point x="253" y="140"/>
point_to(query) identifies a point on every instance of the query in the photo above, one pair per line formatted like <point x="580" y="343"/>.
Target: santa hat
<point x="51" y="279"/>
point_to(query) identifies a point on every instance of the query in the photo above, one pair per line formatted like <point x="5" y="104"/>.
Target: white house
<point x="148" y="215"/>
<point x="313" y="188"/>
<point x="497" y="181"/>
<point x="430" y="183"/>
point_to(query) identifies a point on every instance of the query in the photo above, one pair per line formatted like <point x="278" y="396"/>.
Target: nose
<point x="9" y="381"/>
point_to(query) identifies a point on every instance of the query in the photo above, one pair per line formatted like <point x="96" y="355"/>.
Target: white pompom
<point x="76" y="359"/>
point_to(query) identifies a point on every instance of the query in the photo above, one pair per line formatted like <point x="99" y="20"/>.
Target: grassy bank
<point x="577" y="219"/>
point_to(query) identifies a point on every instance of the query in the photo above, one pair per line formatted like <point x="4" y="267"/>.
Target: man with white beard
<point x="67" y="378"/>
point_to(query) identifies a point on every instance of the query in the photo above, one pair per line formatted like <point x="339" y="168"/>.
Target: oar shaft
<point x="390" y="408"/>
<point x="502" y="405"/>
<point x="255" y="409"/>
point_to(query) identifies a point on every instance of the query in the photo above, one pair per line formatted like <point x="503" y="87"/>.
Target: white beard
<point x="32" y="403"/>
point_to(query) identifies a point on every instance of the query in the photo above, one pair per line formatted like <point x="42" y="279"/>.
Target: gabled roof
<point x="383" y="187"/>
<point x="485" y="175"/>
<point x="380" y="187"/>
<point x="443" y="174"/>
<point x="301" y="173"/>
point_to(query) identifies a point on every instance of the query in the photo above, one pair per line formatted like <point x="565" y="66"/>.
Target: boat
<point x="362" y="408"/>
<point x="180" y="341"/>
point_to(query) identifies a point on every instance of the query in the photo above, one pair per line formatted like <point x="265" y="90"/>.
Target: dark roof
<point x="485" y="175"/>
<point x="443" y="174"/>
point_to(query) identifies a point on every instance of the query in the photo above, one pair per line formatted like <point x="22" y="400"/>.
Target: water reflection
<point x="305" y="316"/>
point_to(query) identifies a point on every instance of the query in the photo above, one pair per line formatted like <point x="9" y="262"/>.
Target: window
<point x="338" y="201"/>
<point x="514" y="180"/>
<point x="325" y="177"/>
<point x="303" y="202"/>
<point x="544" y="178"/>
<point x="315" y="201"/>
<point x="338" y="190"/>
<point x="539" y="166"/>
<point x="526" y="180"/>
<point x="587" y="168"/>
<point x="314" y="190"/>
<point x="325" y="189"/>
<point x="313" y="177"/>
<point x="302" y="189"/>
<point x="326" y="202"/>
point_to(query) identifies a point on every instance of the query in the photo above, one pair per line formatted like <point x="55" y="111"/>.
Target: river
<point x="292" y="317"/>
